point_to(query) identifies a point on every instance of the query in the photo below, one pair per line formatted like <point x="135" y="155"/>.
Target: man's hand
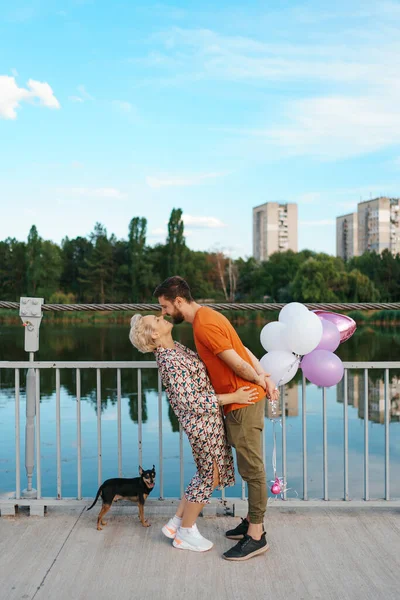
<point x="272" y="391"/>
<point x="261" y="381"/>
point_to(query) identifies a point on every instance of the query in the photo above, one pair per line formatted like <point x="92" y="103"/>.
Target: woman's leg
<point x="190" y="513"/>
<point x="191" y="510"/>
<point x="181" y="508"/>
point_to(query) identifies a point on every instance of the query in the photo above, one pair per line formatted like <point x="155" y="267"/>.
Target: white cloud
<point x="358" y="64"/>
<point x="11" y="96"/>
<point x="339" y="127"/>
<point x="83" y="95"/>
<point x="202" y="222"/>
<point x="161" y="181"/>
<point x="158" y="233"/>
<point x="123" y="106"/>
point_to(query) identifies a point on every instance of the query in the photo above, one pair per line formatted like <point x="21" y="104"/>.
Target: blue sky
<point x="110" y="110"/>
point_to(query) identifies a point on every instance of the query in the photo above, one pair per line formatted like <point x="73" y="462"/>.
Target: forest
<point x="100" y="268"/>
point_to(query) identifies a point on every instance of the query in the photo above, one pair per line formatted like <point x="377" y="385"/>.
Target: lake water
<point x="70" y="342"/>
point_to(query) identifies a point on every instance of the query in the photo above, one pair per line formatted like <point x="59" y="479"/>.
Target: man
<point x="230" y="366"/>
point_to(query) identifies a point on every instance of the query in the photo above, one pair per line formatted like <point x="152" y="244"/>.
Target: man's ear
<point x="140" y="471"/>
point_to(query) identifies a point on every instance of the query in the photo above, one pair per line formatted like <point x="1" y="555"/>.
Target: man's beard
<point x="177" y="317"/>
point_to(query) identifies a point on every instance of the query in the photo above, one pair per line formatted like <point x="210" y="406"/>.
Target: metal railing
<point x="32" y="451"/>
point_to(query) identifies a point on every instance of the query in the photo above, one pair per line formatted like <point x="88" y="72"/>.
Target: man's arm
<point x="241" y="367"/>
<point x="255" y="362"/>
<point x="270" y="388"/>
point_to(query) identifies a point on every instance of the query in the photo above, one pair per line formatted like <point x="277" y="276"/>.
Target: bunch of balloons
<point x="308" y="339"/>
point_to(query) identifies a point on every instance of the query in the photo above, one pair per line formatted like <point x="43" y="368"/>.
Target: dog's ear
<point x="154" y="468"/>
<point x="140" y="471"/>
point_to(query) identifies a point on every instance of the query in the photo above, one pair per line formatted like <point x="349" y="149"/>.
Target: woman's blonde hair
<point x="140" y="335"/>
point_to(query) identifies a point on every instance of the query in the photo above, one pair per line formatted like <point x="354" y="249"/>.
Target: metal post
<point x="304" y="437"/>
<point x="387" y="445"/>
<point x="346" y="437"/>
<point x="325" y="443"/>
<point x="366" y="437"/>
<point x="284" y="469"/>
<point x="31" y="315"/>
<point x="30" y="492"/>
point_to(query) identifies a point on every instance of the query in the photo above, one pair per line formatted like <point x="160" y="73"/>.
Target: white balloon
<point x="291" y="311"/>
<point x="304" y="333"/>
<point x="272" y="336"/>
<point x="281" y="365"/>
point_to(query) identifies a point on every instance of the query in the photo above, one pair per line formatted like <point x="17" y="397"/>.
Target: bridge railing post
<point x="31" y="315"/>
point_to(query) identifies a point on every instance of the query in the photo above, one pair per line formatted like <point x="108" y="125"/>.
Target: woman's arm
<point x="244" y="395"/>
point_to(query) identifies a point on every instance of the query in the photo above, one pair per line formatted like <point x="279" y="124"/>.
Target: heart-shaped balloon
<point x="345" y="324"/>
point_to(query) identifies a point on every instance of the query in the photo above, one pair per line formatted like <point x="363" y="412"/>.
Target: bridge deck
<point x="322" y="552"/>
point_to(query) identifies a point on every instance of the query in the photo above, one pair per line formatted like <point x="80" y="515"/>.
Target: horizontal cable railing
<point x="225" y="306"/>
<point x="33" y="425"/>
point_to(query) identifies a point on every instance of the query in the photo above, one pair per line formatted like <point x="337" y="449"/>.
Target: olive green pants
<point x="243" y="428"/>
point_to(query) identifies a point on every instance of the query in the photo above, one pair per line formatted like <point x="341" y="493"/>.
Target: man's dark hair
<point x="172" y="288"/>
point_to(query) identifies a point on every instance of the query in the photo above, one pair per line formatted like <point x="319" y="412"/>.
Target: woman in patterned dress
<point x="198" y="409"/>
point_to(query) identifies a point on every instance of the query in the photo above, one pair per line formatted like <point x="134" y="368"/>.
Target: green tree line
<point x="101" y="268"/>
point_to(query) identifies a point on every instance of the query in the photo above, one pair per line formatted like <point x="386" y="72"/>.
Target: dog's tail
<point x="97" y="497"/>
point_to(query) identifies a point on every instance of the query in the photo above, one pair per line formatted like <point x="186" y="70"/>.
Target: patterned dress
<point x="195" y="404"/>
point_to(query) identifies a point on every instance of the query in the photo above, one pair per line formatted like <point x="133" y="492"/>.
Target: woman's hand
<point x="246" y="395"/>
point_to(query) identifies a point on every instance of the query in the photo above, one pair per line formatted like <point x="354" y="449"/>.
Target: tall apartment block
<point x="375" y="227"/>
<point x="378" y="225"/>
<point x="347" y="236"/>
<point x="274" y="229"/>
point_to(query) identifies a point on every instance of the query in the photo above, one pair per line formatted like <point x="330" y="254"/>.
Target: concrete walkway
<point x="323" y="553"/>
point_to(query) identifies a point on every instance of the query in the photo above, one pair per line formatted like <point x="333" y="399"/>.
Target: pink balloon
<point x="345" y="324"/>
<point x="330" y="336"/>
<point x="322" y="368"/>
<point x="275" y="488"/>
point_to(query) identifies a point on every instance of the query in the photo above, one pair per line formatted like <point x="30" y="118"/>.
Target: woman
<point x="197" y="407"/>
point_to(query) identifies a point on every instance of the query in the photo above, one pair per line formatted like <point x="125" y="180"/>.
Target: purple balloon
<point x="345" y="324"/>
<point x="330" y="339"/>
<point x="322" y="368"/>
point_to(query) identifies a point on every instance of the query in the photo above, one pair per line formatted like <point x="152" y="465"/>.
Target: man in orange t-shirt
<point x="230" y="366"/>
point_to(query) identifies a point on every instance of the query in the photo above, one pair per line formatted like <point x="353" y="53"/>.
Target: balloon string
<point x="274" y="448"/>
<point x="273" y="402"/>
<point x="274" y="420"/>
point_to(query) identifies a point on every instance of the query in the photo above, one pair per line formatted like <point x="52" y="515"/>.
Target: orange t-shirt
<point x="213" y="334"/>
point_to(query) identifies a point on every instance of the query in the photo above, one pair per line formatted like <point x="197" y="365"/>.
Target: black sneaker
<point x="239" y="532"/>
<point x="247" y="548"/>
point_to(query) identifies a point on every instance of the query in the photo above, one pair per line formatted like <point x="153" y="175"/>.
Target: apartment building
<point x="374" y="228"/>
<point x="274" y="229"/>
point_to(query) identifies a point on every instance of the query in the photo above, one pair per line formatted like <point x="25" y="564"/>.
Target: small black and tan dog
<point x="136" y="489"/>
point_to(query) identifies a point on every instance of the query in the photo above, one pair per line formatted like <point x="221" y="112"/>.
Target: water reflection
<point x="355" y="395"/>
<point x="376" y="396"/>
<point x="110" y="342"/>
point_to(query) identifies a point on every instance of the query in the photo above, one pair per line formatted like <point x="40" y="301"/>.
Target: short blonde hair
<point x="140" y="335"/>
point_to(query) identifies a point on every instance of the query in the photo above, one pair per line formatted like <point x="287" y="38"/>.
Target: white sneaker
<point x="170" y="529"/>
<point x="191" y="539"/>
